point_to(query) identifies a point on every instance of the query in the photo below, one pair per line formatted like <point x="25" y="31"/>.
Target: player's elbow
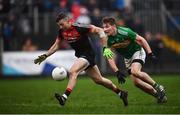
<point x="135" y="72"/>
<point x="140" y="40"/>
<point x="101" y="33"/>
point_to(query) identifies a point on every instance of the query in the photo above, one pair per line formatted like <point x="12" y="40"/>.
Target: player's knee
<point x="98" y="81"/>
<point x="135" y="72"/>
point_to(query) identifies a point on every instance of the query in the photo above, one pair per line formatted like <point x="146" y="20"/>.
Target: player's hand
<point x="121" y="77"/>
<point x="152" y="57"/>
<point x="40" y="59"/>
<point x="107" y="53"/>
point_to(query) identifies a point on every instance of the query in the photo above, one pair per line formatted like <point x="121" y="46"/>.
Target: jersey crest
<point x="123" y="44"/>
<point x="71" y="35"/>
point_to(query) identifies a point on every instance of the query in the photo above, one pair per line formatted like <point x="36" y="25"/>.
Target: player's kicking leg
<point x="95" y="74"/>
<point x="143" y="81"/>
<point x="79" y="65"/>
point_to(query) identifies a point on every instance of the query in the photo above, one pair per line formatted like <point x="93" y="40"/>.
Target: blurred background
<point x="28" y="29"/>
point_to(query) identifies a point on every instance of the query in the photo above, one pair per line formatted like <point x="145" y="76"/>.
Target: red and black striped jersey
<point x="77" y="37"/>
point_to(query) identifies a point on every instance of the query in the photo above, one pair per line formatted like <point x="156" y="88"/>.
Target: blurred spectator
<point x="120" y="5"/>
<point x="63" y="4"/>
<point x="96" y="17"/>
<point x="156" y="45"/>
<point x="28" y="45"/>
<point x="1" y="24"/>
<point x="83" y="18"/>
<point x="138" y="26"/>
<point x="75" y="10"/>
<point x="157" y="48"/>
<point x="148" y="36"/>
<point x="121" y="22"/>
<point x="105" y="5"/>
<point x="39" y="5"/>
<point x="48" y="5"/>
<point x="27" y="6"/>
<point x="4" y="6"/>
<point x="8" y="31"/>
<point x="25" y="25"/>
<point x="91" y="4"/>
<point x="127" y="3"/>
<point x="127" y="15"/>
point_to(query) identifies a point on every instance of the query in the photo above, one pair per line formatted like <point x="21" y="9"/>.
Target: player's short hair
<point x="61" y="16"/>
<point x="109" y="20"/>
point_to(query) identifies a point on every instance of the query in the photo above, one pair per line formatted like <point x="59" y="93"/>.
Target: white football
<point x="59" y="73"/>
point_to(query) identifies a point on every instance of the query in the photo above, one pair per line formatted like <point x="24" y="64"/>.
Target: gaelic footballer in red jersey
<point x="77" y="36"/>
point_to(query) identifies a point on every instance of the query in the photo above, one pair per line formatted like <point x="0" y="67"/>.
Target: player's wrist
<point x="104" y="47"/>
<point x="117" y="71"/>
<point x="150" y="54"/>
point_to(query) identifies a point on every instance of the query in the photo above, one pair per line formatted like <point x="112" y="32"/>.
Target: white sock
<point x="65" y="96"/>
<point x="119" y="93"/>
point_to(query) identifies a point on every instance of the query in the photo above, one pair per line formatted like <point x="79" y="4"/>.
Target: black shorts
<point x="90" y="56"/>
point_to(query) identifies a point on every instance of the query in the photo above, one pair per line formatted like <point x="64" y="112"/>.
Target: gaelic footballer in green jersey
<point x="131" y="46"/>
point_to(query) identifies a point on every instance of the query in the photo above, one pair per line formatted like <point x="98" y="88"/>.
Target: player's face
<point x="64" y="24"/>
<point x="109" y="29"/>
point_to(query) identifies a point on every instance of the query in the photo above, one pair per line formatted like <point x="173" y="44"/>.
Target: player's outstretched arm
<point x="100" y="32"/>
<point x="120" y="76"/>
<point x="141" y="41"/>
<point x="106" y="51"/>
<point x="52" y="50"/>
<point x="112" y="64"/>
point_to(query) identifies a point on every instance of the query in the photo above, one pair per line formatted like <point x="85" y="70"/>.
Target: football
<point x="59" y="73"/>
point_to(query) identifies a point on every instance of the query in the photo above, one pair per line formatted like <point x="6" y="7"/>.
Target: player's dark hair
<point x="109" y="20"/>
<point x="61" y="16"/>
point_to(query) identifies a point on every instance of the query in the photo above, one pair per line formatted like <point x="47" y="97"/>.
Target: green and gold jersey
<point x="124" y="42"/>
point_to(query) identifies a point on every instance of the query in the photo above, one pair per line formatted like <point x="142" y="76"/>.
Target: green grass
<point x="37" y="96"/>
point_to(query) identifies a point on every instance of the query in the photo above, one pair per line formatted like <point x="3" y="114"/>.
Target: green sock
<point x="155" y="95"/>
<point x="156" y="86"/>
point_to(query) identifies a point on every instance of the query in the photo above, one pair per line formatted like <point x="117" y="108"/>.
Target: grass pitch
<point x="28" y="96"/>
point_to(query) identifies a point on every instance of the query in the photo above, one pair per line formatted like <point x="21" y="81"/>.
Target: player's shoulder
<point x="81" y="25"/>
<point x="123" y="30"/>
